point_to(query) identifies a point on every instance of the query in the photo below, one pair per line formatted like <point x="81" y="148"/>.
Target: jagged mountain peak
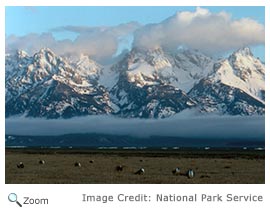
<point x="244" y="60"/>
<point x="244" y="51"/>
<point x="86" y="66"/>
<point x="46" y="55"/>
<point x="21" y="54"/>
<point x="147" y="83"/>
<point x="235" y="87"/>
<point x="84" y="59"/>
<point x="181" y="69"/>
<point x="45" y="85"/>
<point x="142" y="66"/>
<point x="46" y="50"/>
<point x="154" y="57"/>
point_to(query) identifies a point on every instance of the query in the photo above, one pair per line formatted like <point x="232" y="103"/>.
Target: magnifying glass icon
<point x="12" y="197"/>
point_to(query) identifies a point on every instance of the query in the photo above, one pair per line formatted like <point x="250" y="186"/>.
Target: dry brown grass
<point x="219" y="167"/>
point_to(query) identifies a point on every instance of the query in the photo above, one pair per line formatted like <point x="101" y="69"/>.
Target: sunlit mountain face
<point x="144" y="84"/>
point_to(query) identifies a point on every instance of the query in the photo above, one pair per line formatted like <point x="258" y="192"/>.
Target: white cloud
<point x="98" y="42"/>
<point x="209" y="32"/>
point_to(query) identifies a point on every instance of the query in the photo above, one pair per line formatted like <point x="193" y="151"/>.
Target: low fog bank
<point x="214" y="127"/>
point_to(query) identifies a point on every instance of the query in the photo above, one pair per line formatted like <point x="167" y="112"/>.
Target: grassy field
<point x="209" y="166"/>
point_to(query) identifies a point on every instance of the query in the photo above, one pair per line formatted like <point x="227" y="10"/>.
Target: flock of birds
<point x="177" y="171"/>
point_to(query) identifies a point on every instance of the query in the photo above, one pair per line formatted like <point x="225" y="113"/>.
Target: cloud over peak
<point x="209" y="32"/>
<point x="98" y="42"/>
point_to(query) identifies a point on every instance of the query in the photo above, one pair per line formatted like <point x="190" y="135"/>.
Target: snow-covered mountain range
<point x="144" y="84"/>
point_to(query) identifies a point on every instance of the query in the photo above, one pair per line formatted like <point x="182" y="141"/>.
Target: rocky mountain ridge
<point x="144" y="84"/>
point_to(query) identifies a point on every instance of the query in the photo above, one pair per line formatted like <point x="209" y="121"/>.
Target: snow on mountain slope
<point x="143" y="67"/>
<point x="189" y="67"/>
<point x="242" y="70"/>
<point x="236" y="86"/>
<point x="28" y="72"/>
<point x="144" y="84"/>
<point x="231" y="86"/>
<point x="46" y="85"/>
<point x="108" y="77"/>
<point x="85" y="66"/>
<point x="152" y="80"/>
<point x="219" y="98"/>
<point x="181" y="69"/>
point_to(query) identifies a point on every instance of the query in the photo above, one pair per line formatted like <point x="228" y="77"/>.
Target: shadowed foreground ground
<point x="210" y="166"/>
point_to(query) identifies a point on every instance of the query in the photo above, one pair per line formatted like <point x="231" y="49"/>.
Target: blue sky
<point x="24" y="20"/>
